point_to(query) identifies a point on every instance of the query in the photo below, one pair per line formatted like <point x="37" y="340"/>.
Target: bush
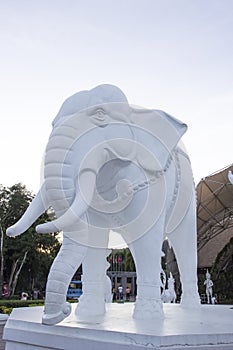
<point x="5" y="310"/>
<point x="11" y="304"/>
<point x="7" y="305"/>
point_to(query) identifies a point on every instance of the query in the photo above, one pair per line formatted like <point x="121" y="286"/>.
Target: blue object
<point x="74" y="290"/>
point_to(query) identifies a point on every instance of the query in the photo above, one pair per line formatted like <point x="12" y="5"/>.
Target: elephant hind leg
<point x="63" y="268"/>
<point x="184" y="243"/>
<point x="92" y="301"/>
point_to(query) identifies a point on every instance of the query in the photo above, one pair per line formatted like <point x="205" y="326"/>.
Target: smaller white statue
<point x="230" y="177"/>
<point x="108" y="290"/>
<point x="169" y="295"/>
<point x="209" y="288"/>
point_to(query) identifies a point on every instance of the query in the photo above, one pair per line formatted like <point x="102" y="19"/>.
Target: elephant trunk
<point x="37" y="207"/>
<point x="79" y="206"/>
<point x="64" y="184"/>
<point x="63" y="268"/>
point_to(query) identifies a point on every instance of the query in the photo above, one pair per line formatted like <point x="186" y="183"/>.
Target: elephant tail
<point x="37" y="207"/>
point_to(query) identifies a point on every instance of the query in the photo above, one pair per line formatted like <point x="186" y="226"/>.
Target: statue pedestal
<point x="3" y="319"/>
<point x="210" y="327"/>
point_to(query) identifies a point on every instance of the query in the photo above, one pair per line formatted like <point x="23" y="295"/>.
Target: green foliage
<point x="127" y="259"/>
<point x="20" y="303"/>
<point x="6" y="306"/>
<point x="41" y="249"/>
<point x="14" y="201"/>
<point x="222" y="273"/>
<point x="5" y="310"/>
<point x="201" y="286"/>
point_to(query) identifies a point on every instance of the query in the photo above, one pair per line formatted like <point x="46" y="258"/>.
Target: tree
<point x="121" y="260"/>
<point x="222" y="272"/>
<point x="26" y="259"/>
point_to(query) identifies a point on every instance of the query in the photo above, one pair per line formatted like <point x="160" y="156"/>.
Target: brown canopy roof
<point x="214" y="207"/>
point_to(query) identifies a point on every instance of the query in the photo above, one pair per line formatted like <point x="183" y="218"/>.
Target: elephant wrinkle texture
<point x="111" y="168"/>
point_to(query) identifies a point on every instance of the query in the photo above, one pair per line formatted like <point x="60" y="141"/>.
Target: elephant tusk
<point x="37" y="207"/>
<point x="79" y="206"/>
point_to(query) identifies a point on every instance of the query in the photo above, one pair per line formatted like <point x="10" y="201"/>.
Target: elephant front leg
<point x="62" y="270"/>
<point x="92" y="301"/>
<point x="147" y="253"/>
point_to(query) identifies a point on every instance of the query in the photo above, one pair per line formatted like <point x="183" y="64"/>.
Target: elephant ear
<point x="159" y="134"/>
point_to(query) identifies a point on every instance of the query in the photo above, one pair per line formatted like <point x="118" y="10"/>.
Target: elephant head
<point x="57" y="151"/>
<point x="91" y="128"/>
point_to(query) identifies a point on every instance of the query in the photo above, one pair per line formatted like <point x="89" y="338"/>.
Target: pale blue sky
<point x="175" y="55"/>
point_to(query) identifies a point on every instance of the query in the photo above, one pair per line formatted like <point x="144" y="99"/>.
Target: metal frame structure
<point x="214" y="206"/>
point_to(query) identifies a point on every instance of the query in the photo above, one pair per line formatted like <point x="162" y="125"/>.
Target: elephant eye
<point x="100" y="114"/>
<point x="99" y="117"/>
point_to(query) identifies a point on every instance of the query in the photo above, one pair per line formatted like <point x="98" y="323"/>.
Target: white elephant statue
<point x="111" y="166"/>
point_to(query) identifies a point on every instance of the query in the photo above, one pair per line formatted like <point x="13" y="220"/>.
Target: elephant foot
<point x="148" y="309"/>
<point x="54" y="318"/>
<point x="190" y="300"/>
<point x="89" y="308"/>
